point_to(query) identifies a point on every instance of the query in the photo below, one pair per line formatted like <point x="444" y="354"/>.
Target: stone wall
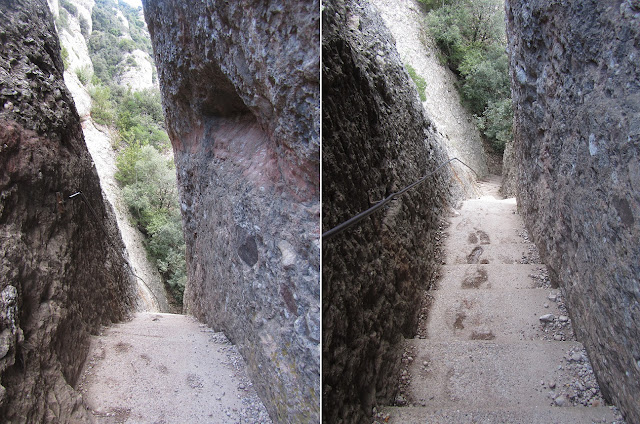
<point x="62" y="275"/>
<point x="575" y="68"/>
<point x="376" y="140"/>
<point x="240" y="86"/>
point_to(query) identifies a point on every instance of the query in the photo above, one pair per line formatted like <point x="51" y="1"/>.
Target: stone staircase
<point x="499" y="347"/>
<point x="167" y="368"/>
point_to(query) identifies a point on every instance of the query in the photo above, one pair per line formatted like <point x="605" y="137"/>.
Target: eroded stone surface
<point x="576" y="87"/>
<point x="61" y="270"/>
<point x="240" y="85"/>
<point x="376" y="140"/>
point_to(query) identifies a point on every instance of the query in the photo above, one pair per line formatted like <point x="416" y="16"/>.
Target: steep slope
<point x="62" y="275"/>
<point x="240" y="86"/>
<point x="443" y="106"/>
<point x="576" y="92"/>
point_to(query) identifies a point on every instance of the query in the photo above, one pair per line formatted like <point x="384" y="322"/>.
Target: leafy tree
<point x="150" y="192"/>
<point x="470" y="35"/>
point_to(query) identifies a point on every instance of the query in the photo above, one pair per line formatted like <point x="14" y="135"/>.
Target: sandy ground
<point x="166" y="368"/>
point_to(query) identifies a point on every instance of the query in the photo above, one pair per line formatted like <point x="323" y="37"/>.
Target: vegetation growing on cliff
<point x="145" y="171"/>
<point x="471" y="37"/>
<point x="421" y="83"/>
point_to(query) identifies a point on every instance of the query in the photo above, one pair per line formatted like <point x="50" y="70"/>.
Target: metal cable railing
<point x="113" y="246"/>
<point x="359" y="217"/>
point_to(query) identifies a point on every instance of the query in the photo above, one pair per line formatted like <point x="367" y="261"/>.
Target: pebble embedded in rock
<point x="563" y="318"/>
<point x="547" y="318"/>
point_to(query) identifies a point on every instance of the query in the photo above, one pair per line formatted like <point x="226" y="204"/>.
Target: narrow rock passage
<point x="499" y="346"/>
<point x="166" y="368"/>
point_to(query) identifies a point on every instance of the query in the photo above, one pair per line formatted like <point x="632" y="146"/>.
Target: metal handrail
<point x="359" y="217"/>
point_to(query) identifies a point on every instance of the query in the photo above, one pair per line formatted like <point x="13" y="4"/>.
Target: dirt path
<point x="499" y="345"/>
<point x="166" y="368"/>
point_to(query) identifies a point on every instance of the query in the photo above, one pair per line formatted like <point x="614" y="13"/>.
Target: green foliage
<point x="140" y="119"/>
<point x="150" y="192"/>
<point x="470" y="35"/>
<point x="65" y="57"/>
<point x="107" y="46"/>
<point x="496" y="123"/>
<point x="420" y="82"/>
<point x="102" y="108"/>
<point x="63" y="19"/>
<point x="147" y="178"/>
<point x="71" y="8"/>
<point x="434" y="4"/>
<point x="84" y="74"/>
<point x="84" y="27"/>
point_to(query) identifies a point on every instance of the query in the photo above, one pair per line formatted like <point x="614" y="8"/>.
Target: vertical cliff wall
<point x="61" y="276"/>
<point x="240" y="85"/>
<point x="375" y="141"/>
<point x="576" y="89"/>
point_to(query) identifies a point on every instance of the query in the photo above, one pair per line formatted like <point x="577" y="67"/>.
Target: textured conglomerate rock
<point x="376" y="140"/>
<point x="240" y="86"/>
<point x="575" y="68"/>
<point x="62" y="275"/>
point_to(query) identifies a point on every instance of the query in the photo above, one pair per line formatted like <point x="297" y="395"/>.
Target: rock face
<point x="240" y="85"/>
<point x="576" y="88"/>
<point x="62" y="275"/>
<point x="376" y="140"/>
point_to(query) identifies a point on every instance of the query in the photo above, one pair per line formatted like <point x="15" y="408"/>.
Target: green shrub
<point x="150" y="192"/>
<point x="71" y="8"/>
<point x="497" y="123"/>
<point x="84" y="74"/>
<point x="470" y="35"/>
<point x="420" y="82"/>
<point x="102" y="108"/>
<point x="84" y="27"/>
<point x="65" y="57"/>
<point x="63" y="19"/>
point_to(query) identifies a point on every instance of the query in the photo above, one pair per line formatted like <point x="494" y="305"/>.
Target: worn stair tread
<point x="475" y="374"/>
<point x="491" y="276"/>
<point x="521" y="415"/>
<point x="489" y="314"/>
<point x="502" y="253"/>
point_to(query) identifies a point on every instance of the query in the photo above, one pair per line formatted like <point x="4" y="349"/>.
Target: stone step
<point x="508" y="315"/>
<point x="542" y="415"/>
<point x="460" y="252"/>
<point x="494" y="277"/>
<point x="470" y="375"/>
